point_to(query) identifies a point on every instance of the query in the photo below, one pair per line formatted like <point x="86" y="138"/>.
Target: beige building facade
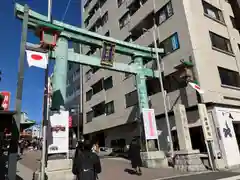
<point x="203" y="32"/>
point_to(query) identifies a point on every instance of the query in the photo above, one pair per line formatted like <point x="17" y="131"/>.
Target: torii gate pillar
<point x="60" y="74"/>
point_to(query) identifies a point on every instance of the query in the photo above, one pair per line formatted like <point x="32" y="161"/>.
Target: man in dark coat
<point x="86" y="164"/>
<point x="134" y="155"/>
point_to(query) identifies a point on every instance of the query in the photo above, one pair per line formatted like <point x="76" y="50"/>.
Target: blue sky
<point x="10" y="35"/>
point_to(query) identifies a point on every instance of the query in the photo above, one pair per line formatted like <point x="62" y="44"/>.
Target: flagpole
<point x="158" y="59"/>
<point x="46" y="108"/>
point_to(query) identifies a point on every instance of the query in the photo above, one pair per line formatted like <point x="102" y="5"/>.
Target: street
<point x="121" y="169"/>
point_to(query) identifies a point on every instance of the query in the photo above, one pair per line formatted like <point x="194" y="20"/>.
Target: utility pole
<point x="78" y="124"/>
<point x="46" y="108"/>
<point x="158" y="59"/>
<point x="13" y="151"/>
<point x="81" y="78"/>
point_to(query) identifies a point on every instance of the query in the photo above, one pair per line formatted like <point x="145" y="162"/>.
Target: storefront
<point x="227" y="122"/>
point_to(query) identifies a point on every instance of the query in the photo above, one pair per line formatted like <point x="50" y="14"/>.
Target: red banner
<point x="70" y="121"/>
<point x="6" y="101"/>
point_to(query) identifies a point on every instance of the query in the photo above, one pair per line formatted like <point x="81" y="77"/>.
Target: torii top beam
<point x="86" y="37"/>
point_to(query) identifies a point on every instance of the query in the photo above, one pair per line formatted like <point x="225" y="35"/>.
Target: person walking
<point x="134" y="155"/>
<point x="95" y="148"/>
<point x="86" y="164"/>
<point x="22" y="146"/>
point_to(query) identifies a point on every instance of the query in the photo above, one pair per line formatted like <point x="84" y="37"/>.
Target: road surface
<point x="120" y="169"/>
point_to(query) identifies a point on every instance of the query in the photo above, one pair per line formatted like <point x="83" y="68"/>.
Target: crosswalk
<point x="222" y="175"/>
<point x="231" y="178"/>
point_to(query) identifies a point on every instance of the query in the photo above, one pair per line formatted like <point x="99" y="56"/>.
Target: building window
<point x="70" y="66"/>
<point x="99" y="109"/>
<point x="107" y="33"/>
<point x="109" y="108"/>
<point x="170" y="44"/>
<point x="212" y="12"/>
<point x="220" y="42"/>
<point x="123" y="21"/>
<point x="131" y="99"/>
<point x="87" y="2"/>
<point x="95" y="69"/>
<point x="128" y="39"/>
<point x="229" y="77"/>
<point x="108" y="83"/>
<point x="88" y="75"/>
<point x="89" y="116"/>
<point x="86" y="22"/>
<point x="233" y="20"/>
<point x="127" y="75"/>
<point x="97" y="87"/>
<point x="89" y="95"/>
<point x="164" y="13"/>
<point x="120" y="2"/>
<point x="105" y="18"/>
<point x="153" y="86"/>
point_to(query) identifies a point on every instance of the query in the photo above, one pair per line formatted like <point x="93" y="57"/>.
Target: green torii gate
<point x="78" y="35"/>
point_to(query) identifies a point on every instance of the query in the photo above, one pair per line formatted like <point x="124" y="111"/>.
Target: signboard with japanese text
<point x="207" y="129"/>
<point x="108" y="53"/>
<point x="6" y="101"/>
<point x="70" y="121"/>
<point x="225" y="120"/>
<point x="149" y="122"/>
<point x="58" y="133"/>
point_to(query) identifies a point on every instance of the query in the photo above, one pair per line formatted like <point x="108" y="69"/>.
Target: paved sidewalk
<point x="121" y="170"/>
<point x="24" y="172"/>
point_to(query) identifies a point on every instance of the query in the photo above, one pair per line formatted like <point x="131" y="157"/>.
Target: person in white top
<point x="95" y="148"/>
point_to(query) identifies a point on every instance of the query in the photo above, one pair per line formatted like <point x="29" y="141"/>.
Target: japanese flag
<point x="196" y="87"/>
<point x="37" y="59"/>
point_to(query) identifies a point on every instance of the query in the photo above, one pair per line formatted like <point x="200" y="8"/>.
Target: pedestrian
<point x="86" y="164"/>
<point x="21" y="146"/>
<point x="95" y="148"/>
<point x="134" y="155"/>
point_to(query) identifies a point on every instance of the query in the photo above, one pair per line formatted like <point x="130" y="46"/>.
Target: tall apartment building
<point x="202" y="31"/>
<point x="73" y="93"/>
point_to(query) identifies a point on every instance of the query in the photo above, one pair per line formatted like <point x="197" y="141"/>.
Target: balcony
<point x="96" y="99"/>
<point x="95" y="77"/>
<point x="94" y="19"/>
<point x="91" y="5"/>
<point x="146" y="38"/>
<point x="145" y="10"/>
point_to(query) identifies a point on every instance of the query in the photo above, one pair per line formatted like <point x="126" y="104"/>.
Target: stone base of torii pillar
<point x="154" y="159"/>
<point x="60" y="169"/>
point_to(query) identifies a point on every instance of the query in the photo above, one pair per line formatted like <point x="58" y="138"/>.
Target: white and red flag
<point x="196" y="87"/>
<point x="37" y="59"/>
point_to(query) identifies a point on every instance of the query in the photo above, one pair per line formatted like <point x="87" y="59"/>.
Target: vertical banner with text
<point x="149" y="122"/>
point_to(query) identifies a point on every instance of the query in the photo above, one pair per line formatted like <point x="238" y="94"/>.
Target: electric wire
<point x="66" y="10"/>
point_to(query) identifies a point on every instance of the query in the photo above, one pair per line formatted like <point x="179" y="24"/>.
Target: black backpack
<point x="85" y="165"/>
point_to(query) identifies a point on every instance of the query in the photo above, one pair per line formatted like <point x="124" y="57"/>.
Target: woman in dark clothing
<point x="86" y="164"/>
<point x="134" y="155"/>
<point x="22" y="146"/>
